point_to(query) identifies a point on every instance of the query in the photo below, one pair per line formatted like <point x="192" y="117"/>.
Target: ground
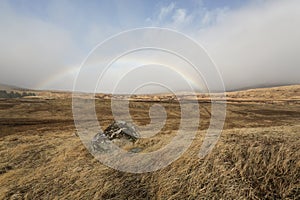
<point x="257" y="155"/>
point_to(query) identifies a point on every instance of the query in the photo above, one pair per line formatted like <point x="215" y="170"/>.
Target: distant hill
<point x="287" y="90"/>
<point x="11" y="87"/>
<point x="261" y="86"/>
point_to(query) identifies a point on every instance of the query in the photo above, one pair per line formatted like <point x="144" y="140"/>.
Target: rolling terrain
<point x="257" y="155"/>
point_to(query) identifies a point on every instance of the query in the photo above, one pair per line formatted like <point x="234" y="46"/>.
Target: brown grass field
<point x="256" y="157"/>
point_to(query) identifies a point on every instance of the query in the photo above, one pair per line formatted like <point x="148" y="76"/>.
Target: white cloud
<point x="254" y="45"/>
<point x="165" y="11"/>
<point x="210" y="17"/>
<point x="180" y="17"/>
<point x="31" y="50"/>
<point x="257" y="45"/>
<point x="187" y="19"/>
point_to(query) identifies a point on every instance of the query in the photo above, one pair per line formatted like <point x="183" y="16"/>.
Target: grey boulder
<point x="113" y="134"/>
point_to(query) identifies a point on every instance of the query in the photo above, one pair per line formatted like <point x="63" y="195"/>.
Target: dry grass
<point x="257" y="155"/>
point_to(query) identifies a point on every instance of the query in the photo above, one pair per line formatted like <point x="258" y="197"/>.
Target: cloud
<point x="254" y="45"/>
<point x="31" y="50"/>
<point x="165" y="11"/>
<point x="211" y="17"/>
<point x="257" y="45"/>
<point x="180" y="17"/>
<point x="187" y="19"/>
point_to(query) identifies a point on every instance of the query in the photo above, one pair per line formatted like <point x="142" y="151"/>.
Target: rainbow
<point x="70" y="73"/>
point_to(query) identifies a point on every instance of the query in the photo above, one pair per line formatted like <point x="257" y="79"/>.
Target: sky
<point x="253" y="43"/>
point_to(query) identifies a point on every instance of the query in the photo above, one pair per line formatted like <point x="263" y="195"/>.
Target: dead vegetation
<point x="256" y="157"/>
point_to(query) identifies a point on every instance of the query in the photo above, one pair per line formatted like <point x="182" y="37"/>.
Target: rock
<point x="118" y="131"/>
<point x="121" y="129"/>
<point x="100" y="143"/>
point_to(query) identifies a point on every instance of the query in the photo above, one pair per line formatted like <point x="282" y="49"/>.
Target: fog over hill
<point x="10" y="87"/>
<point x="253" y="43"/>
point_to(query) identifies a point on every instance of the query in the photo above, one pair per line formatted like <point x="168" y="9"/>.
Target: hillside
<point x="256" y="157"/>
<point x="9" y="87"/>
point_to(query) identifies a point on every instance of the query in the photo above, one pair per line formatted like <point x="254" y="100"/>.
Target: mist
<point x="255" y="45"/>
<point x="258" y="45"/>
